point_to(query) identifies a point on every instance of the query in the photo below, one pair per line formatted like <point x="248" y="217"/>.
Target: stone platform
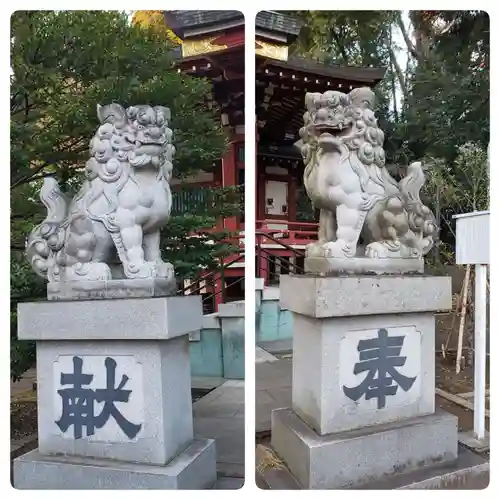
<point x="274" y="391"/>
<point x="194" y="468"/>
<point x="363" y="404"/>
<point x="111" y="289"/>
<point x="350" y="296"/>
<point x="331" y="266"/>
<point x="352" y="458"/>
<point x="468" y="472"/>
<point x="114" y="396"/>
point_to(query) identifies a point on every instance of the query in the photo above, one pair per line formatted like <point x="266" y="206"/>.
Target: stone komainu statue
<point x="118" y="213"/>
<point x="346" y="179"/>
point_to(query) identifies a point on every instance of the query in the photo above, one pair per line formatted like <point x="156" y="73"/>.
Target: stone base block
<point x="323" y="266"/>
<point x="328" y="356"/>
<point x="363" y="347"/>
<point x="348" y="296"/>
<point x="147" y="416"/>
<point x="158" y="318"/>
<point x="111" y="289"/>
<point x="351" y="459"/>
<point x="469" y="472"/>
<point x="194" y="469"/>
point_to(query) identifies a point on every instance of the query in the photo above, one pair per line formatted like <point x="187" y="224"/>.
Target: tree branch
<point x="399" y="73"/>
<point x="411" y="48"/>
<point x="27" y="178"/>
<point x="50" y="160"/>
<point x="337" y="40"/>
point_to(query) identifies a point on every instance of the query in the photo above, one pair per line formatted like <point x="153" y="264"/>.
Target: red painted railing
<point x="290" y="232"/>
<point x="282" y="240"/>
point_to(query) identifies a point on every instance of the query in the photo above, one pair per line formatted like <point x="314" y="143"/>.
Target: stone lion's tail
<point x="420" y="218"/>
<point x="46" y="240"/>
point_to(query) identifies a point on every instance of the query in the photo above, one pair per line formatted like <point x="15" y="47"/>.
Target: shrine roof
<point x="278" y="22"/>
<point x="281" y="87"/>
<point x="196" y="22"/>
<point x="370" y="76"/>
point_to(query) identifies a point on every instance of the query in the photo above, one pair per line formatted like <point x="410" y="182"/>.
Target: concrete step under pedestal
<point x="192" y="469"/>
<point x="229" y="483"/>
<point x="468" y="472"/>
<point x="369" y="455"/>
<point x="277" y="347"/>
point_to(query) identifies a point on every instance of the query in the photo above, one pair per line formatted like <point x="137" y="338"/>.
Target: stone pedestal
<point x="114" y="395"/>
<point x="363" y="379"/>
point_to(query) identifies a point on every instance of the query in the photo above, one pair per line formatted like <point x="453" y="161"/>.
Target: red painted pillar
<point x="218" y="292"/>
<point x="292" y="197"/>
<point x="229" y="179"/>
<point x="257" y="197"/>
<point x="264" y="267"/>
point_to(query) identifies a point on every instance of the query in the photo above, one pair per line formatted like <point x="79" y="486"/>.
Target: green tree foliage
<point x="62" y="64"/>
<point x="65" y="62"/>
<point x="448" y="102"/>
<point x="354" y="38"/>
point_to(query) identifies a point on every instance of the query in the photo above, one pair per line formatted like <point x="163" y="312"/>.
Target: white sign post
<point x="473" y="247"/>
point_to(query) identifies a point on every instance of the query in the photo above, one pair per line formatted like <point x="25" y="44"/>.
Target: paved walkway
<point x="25" y="384"/>
<point x="273" y="389"/>
<point x="261" y="355"/>
<point x="220" y="415"/>
<point x="282" y="346"/>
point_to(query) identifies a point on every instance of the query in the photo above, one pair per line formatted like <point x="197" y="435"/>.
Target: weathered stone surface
<point x="160" y="399"/>
<point x="346" y="178"/>
<point x="124" y="319"/>
<point x="232" y="321"/>
<point x="120" y="209"/>
<point x="325" y="352"/>
<point x="469" y="472"/>
<point x="234" y="309"/>
<point x="364" y="295"/>
<point x="323" y="266"/>
<point x="353" y="458"/>
<point x="193" y="469"/>
<point x="111" y="289"/>
<point x="233" y="346"/>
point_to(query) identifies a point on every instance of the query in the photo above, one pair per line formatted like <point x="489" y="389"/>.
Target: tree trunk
<point x="340" y="46"/>
<point x="399" y="73"/>
<point x="411" y="48"/>
<point x="393" y="82"/>
<point x="437" y="256"/>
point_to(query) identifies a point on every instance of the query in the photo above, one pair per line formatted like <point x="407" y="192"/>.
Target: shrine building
<point x="213" y="46"/>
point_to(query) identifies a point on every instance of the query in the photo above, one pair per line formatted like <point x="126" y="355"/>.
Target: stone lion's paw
<point x="314" y="250"/>
<point x="334" y="249"/>
<point x="377" y="250"/>
<point x="164" y="269"/>
<point x="136" y="270"/>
